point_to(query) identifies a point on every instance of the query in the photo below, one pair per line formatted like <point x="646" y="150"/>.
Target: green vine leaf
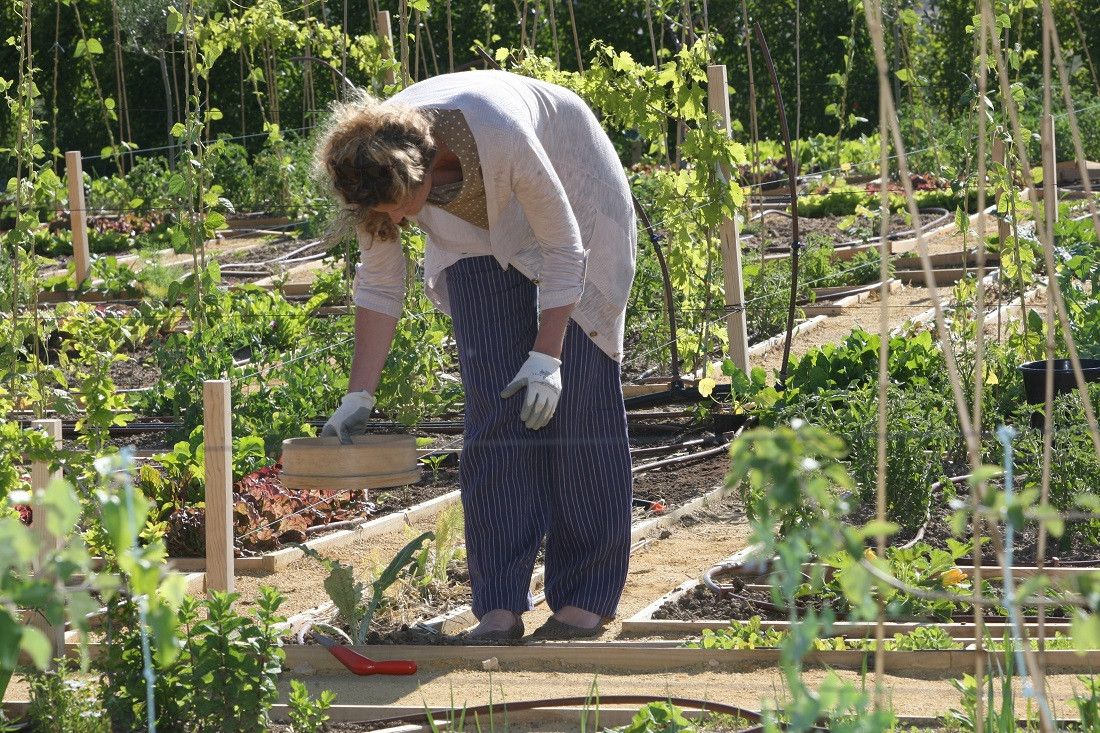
<point x="175" y="21"/>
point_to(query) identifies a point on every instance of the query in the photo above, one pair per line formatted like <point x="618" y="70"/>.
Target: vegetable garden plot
<point x="840" y="232"/>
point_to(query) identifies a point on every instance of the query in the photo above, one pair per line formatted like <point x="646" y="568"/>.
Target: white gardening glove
<point x="350" y="417"/>
<point x="541" y="374"/>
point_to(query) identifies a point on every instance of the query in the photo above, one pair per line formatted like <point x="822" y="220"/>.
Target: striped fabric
<point x="569" y="481"/>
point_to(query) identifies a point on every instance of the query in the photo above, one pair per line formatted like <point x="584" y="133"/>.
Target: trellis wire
<point x="285" y="362"/>
<point x="179" y="145"/>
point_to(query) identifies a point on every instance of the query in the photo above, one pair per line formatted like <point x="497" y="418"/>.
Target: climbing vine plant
<point x="681" y="187"/>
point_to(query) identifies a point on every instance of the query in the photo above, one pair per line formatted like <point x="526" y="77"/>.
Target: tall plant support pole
<point x="403" y="31"/>
<point x="576" y="39"/>
<point x="792" y="184"/>
<point x="41" y="477"/>
<point x="451" y="41"/>
<point x="218" y="445"/>
<point x="385" y="34"/>
<point x="719" y="104"/>
<point x="1050" y="171"/>
<point x="1004" y="231"/>
<point x="78" y="214"/>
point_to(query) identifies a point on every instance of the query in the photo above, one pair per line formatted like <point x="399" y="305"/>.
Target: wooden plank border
<point x="661" y="656"/>
<point x="822" y="306"/>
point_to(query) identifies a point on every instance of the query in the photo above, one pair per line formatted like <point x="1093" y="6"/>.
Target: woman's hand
<point x="351" y="416"/>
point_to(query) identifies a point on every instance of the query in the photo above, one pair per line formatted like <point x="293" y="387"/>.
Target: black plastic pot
<point x="1035" y="382"/>
<point x="1035" y="377"/>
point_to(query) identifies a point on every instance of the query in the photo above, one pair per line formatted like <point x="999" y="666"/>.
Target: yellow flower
<point x="870" y="555"/>
<point x="954" y="576"/>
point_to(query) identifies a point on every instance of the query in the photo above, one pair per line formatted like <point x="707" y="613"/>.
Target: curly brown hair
<point x="371" y="153"/>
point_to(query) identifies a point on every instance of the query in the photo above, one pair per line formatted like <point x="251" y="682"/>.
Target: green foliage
<point x="922" y="436"/>
<point x="224" y="678"/>
<point x="658" y="717"/>
<point x="435" y="560"/>
<point x="750" y="635"/>
<point x="306" y="714"/>
<point x="913" y="360"/>
<point x="788" y="477"/>
<point x="999" y="711"/>
<point x="352" y="599"/>
<point x="60" y="701"/>
<point x="1088" y="703"/>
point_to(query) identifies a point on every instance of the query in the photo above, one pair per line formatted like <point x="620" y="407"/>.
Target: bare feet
<point x="577" y="617"/>
<point x="497" y="622"/>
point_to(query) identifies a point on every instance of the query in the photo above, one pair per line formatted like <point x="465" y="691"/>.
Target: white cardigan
<point x="557" y="198"/>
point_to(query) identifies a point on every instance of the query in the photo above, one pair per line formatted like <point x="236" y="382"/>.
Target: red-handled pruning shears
<point x="361" y="665"/>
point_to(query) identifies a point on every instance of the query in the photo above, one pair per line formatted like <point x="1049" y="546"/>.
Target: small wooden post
<point x="1004" y="231"/>
<point x="78" y="214"/>
<point x="385" y="34"/>
<point x="1050" y="171"/>
<point x="41" y="477"/>
<point x="719" y="103"/>
<point x="218" y="443"/>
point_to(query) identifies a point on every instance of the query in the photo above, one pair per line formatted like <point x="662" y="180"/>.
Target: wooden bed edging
<point x="855" y="295"/>
<point x="626" y="657"/>
<point x="762" y="348"/>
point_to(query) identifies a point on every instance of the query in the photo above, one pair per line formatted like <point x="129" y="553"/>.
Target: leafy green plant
<point x="921" y="567"/>
<point x="436" y="558"/>
<point x="224" y="678"/>
<point x="739" y="635"/>
<point x="1088" y="704"/>
<point x="357" y="602"/>
<point x="658" y="717"/>
<point x="922" y="437"/>
<point x="308" y="715"/>
<point x="750" y="635"/>
<point x="61" y="701"/>
<point x="999" y="711"/>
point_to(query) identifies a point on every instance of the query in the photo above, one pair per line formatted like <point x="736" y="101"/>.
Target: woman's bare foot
<point x="578" y="617"/>
<point x="498" y="622"/>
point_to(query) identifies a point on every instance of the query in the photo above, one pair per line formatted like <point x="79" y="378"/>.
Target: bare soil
<point x="138" y="370"/>
<point x="776" y="230"/>
<point x="702" y="604"/>
<point x="1070" y="549"/>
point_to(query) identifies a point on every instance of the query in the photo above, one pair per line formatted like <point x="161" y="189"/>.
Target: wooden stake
<point x="1003" y="229"/>
<point x="218" y="443"/>
<point x="385" y="33"/>
<point x="41" y="477"/>
<point x="1050" y="171"/>
<point x="718" y="102"/>
<point x="78" y="221"/>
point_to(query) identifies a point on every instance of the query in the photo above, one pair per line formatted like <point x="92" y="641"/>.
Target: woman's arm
<point x="373" y="337"/>
<point x="552" y="325"/>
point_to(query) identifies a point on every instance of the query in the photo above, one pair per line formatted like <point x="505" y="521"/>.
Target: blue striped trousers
<point x="569" y="481"/>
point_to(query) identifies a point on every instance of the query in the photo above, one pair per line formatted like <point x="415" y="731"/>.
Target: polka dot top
<point x="465" y="198"/>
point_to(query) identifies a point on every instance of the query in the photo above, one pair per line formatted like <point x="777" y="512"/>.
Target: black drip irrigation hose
<point x="792" y="176"/>
<point x="676" y="386"/>
<point x="591" y="701"/>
